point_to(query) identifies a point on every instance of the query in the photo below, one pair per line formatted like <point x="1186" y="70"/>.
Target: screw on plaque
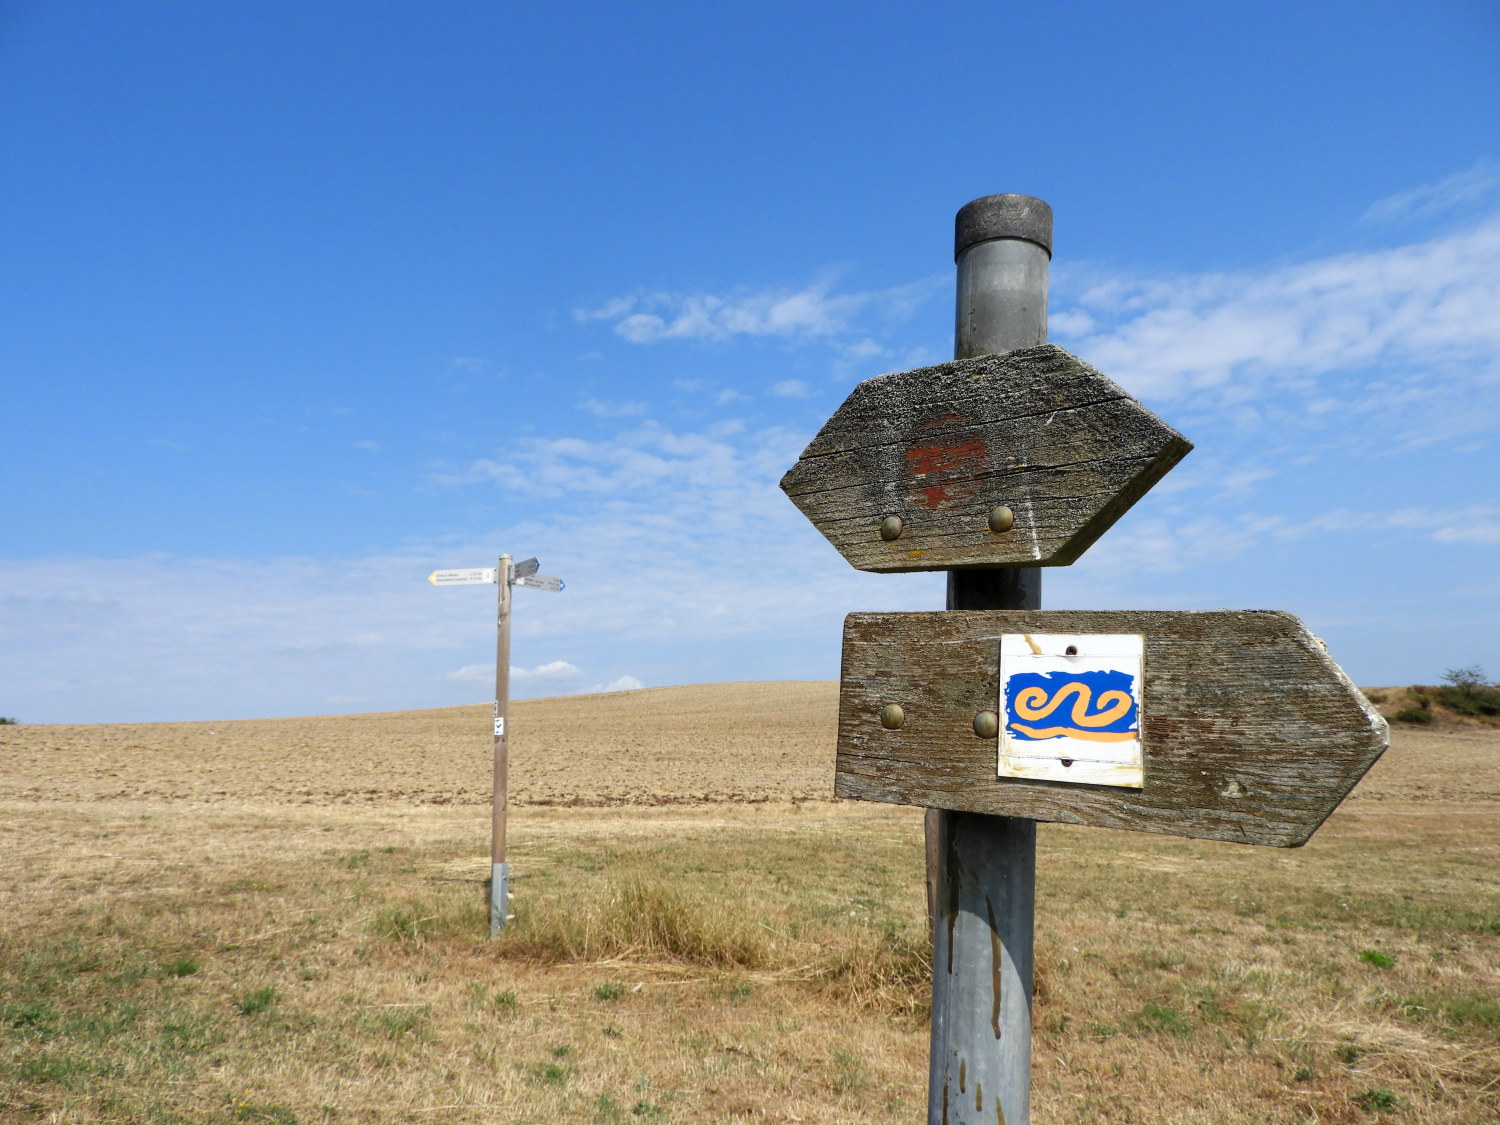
<point x="1002" y="518"/>
<point x="891" y="528"/>
<point x="892" y="716"/>
<point x="986" y="724"/>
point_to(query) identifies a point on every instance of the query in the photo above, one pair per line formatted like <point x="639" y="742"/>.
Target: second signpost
<point x="505" y="574"/>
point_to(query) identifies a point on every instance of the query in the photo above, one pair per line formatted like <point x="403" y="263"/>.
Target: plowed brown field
<point x="286" y="921"/>
<point x="699" y="744"/>
<point x="748" y="742"/>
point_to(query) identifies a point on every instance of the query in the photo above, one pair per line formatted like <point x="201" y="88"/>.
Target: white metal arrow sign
<point x="475" y="576"/>
<point x="548" y="582"/>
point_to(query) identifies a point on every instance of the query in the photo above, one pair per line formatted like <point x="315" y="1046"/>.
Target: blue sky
<point x="300" y="302"/>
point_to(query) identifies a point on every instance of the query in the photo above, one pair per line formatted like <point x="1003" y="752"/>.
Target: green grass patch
<point x="1162" y="1017"/>
<point x="1465" y="1009"/>
<point x="257" y="1000"/>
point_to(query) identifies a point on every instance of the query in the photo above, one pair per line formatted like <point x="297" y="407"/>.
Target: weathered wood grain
<point x="1250" y="733"/>
<point x="1037" y="430"/>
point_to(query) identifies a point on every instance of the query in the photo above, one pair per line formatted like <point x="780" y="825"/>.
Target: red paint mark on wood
<point x="933" y="469"/>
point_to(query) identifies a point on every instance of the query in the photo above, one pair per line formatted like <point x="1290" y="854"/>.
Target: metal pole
<point x="984" y="883"/>
<point x="499" y="868"/>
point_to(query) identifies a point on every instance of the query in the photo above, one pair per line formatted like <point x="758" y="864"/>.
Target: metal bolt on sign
<point x="505" y="574"/>
<point x="996" y="714"/>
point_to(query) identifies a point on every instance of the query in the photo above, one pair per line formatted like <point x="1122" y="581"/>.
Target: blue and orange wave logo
<point x="1093" y="706"/>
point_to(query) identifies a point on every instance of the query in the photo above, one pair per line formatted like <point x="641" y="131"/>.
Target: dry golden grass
<point x="292" y="930"/>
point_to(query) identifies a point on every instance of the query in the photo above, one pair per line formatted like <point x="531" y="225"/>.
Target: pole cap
<point x="1002" y="216"/>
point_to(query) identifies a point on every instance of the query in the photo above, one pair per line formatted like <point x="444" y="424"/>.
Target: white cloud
<point x="1411" y="333"/>
<point x="813" y="311"/>
<point x="370" y="446"/>
<point x="551" y="671"/>
<point x="623" y="683"/>
<point x="473" y="674"/>
<point x="600" y="409"/>
<point x="791" y="388"/>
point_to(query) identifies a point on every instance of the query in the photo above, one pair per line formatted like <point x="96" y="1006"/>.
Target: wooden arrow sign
<point x="1245" y="730"/>
<point x="1019" y="459"/>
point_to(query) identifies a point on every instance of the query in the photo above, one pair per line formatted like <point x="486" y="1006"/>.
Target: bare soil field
<point x="705" y="742"/>
<point x="284" y="921"/>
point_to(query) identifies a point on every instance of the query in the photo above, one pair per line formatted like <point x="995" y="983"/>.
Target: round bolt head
<point x="1001" y="519"/>
<point x="891" y="716"/>
<point x="891" y="528"/>
<point x="986" y="724"/>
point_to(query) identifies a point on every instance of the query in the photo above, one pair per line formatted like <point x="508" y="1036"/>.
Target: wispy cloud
<point x="1460" y="190"/>
<point x="647" y="461"/>
<point x="1411" y="330"/>
<point x="814" y="311"/>
<point x="601" y="409"/>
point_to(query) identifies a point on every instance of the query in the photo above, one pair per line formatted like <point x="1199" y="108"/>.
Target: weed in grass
<point x="409" y="925"/>
<point x="505" y="1002"/>
<point x="60" y="1070"/>
<point x="611" y="1032"/>
<point x="1376" y="958"/>
<point x="549" y="1074"/>
<point x="1377" y="1100"/>
<point x="647" y="1109"/>
<point x="609" y="990"/>
<point x="257" y="1000"/>
<point x="34" y="1020"/>
<point x="1347" y="1053"/>
<point x="640" y="918"/>
<point x="848" y="1075"/>
<point x="395" y="1022"/>
<point x="1456" y="1009"/>
<point x="1163" y="1017"/>
<point x="180" y="967"/>
<point x="242" y="1109"/>
<point x="606" y="1108"/>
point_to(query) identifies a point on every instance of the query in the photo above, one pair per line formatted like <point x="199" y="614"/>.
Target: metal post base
<point x="499" y="897"/>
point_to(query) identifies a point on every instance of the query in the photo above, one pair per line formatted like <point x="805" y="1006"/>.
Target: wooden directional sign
<point x="1018" y="459"/>
<point x="1246" y="730"/>
<point x="540" y="582"/>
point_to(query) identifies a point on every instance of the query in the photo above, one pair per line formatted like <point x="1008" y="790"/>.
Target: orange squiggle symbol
<point x="1033" y="704"/>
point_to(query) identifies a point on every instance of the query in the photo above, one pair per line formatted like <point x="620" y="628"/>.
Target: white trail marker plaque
<point x="1070" y="708"/>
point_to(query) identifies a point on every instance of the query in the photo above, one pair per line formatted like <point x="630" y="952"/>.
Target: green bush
<point x="1413" y="715"/>
<point x="9" y="722"/>
<point x="1467" y="691"/>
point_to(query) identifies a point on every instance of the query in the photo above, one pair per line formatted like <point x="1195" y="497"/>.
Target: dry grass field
<point x="284" y="921"/>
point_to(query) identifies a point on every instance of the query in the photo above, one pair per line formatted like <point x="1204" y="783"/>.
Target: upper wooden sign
<point x="1018" y="459"/>
<point x="1245" y="729"/>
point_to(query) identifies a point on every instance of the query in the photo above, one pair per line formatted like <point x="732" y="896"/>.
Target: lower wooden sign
<point x="1243" y="728"/>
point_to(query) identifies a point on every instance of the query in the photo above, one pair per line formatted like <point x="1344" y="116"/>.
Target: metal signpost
<point x="505" y="574"/>
<point x="1220" y="725"/>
